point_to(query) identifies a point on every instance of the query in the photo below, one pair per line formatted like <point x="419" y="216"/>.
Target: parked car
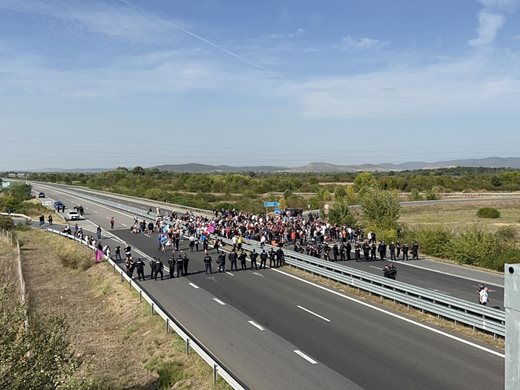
<point x="58" y="205"/>
<point x="41" y="195"/>
<point x="72" y="215"/>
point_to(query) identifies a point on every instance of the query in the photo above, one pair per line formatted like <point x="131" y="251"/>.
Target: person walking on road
<point x="179" y="265"/>
<point x="98" y="232"/>
<point x="118" y="252"/>
<point x="484" y="296"/>
<point x="112" y="223"/>
<point x="49" y="219"/>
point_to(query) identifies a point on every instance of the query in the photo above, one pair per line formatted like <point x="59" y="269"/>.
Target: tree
<point x="340" y="213"/>
<point x="364" y="180"/>
<point x="340" y="192"/>
<point x="381" y="208"/>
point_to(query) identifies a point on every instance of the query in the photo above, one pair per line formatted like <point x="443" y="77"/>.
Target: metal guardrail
<point x="477" y="316"/>
<point x="219" y="369"/>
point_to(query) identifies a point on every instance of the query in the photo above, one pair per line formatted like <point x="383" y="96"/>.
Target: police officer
<point x="392" y="251"/>
<point x="222" y="262"/>
<point x="357" y="251"/>
<point x="171" y="266"/>
<point x="415" y="251"/>
<point x="280" y="258"/>
<point x="159" y="268"/>
<point x="335" y="251"/>
<point x="348" y="248"/>
<point x="207" y="263"/>
<point x="253" y="255"/>
<point x="373" y="248"/>
<point x="152" y="268"/>
<point x="393" y="271"/>
<point x="185" y="261"/>
<point x="405" y="251"/>
<point x="179" y="265"/>
<point x="263" y="259"/>
<point x="272" y="258"/>
<point x="233" y="260"/>
<point x="398" y="250"/>
<point x="139" y="265"/>
<point x="242" y="257"/>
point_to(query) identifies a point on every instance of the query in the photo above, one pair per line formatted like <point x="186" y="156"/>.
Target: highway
<point x="446" y="278"/>
<point x="256" y="320"/>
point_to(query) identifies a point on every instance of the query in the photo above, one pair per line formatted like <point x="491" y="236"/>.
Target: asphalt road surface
<point x="275" y="331"/>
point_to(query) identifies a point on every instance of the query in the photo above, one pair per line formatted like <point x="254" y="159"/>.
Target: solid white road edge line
<point x="301" y="354"/>
<point x="395" y="315"/>
<point x="256" y="325"/>
<point x="219" y="301"/>
<point x="449" y="273"/>
<point x="311" y="312"/>
<point x="193" y="285"/>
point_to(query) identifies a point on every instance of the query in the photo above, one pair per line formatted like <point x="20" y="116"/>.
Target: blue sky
<point x="124" y="83"/>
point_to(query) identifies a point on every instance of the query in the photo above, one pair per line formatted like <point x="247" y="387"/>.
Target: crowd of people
<point x="310" y="235"/>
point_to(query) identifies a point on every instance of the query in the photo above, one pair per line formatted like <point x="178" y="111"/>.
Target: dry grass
<point x="429" y="319"/>
<point x="123" y="346"/>
<point x="8" y="268"/>
<point x="462" y="215"/>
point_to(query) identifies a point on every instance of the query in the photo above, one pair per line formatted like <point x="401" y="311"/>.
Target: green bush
<point x="488" y="212"/>
<point x="6" y="223"/>
<point x="473" y="246"/>
<point x="433" y="240"/>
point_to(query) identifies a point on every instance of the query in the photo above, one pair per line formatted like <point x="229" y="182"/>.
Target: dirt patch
<point x="121" y="343"/>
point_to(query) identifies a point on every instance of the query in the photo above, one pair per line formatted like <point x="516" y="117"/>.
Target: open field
<point x="459" y="216"/>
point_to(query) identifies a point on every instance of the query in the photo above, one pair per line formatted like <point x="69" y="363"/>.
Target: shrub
<point x="6" y="223"/>
<point x="433" y="240"/>
<point x="488" y="212"/>
<point x="475" y="246"/>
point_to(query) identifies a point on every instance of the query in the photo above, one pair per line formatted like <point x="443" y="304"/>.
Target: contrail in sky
<point x="206" y="41"/>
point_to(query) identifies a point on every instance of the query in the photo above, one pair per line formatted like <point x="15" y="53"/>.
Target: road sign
<point x="271" y="204"/>
<point x="276" y="211"/>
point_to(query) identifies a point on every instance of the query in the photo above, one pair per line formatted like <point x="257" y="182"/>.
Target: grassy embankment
<point x="120" y="343"/>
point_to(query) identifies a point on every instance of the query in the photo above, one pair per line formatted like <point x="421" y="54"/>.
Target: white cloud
<point x="348" y="43"/>
<point x="488" y="26"/>
<point x="97" y="17"/>
<point x="491" y="19"/>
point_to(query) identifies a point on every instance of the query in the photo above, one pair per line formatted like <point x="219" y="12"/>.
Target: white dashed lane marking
<point x="193" y="285"/>
<point x="256" y="325"/>
<point x="219" y="301"/>
<point x="301" y="354"/>
<point x="313" y="313"/>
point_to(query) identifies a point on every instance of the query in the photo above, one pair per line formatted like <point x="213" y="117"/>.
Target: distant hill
<point x="321" y="167"/>
<point x="204" y="168"/>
